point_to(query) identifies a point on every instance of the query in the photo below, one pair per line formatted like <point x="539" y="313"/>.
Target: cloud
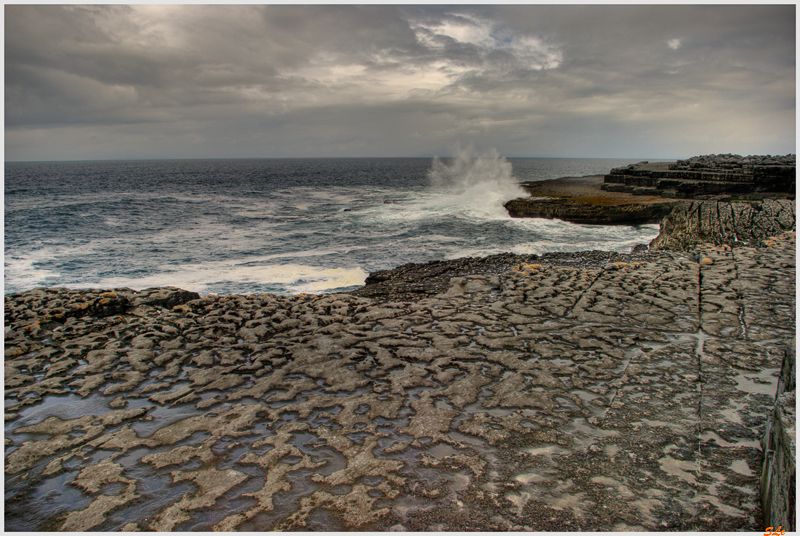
<point x="325" y="80"/>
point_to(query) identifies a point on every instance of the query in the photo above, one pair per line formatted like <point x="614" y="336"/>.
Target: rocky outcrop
<point x="708" y="175"/>
<point x="415" y="281"/>
<point x="721" y="222"/>
<point x="161" y="297"/>
<point x="55" y="304"/>
<point x="583" y="212"/>
<point x="643" y="193"/>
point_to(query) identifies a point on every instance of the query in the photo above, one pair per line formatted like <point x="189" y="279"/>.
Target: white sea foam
<point x="25" y="273"/>
<point x="200" y="277"/>
<point x="559" y="236"/>
<point x="26" y="268"/>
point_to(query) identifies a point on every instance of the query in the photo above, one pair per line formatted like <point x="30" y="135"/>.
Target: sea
<point x="284" y="226"/>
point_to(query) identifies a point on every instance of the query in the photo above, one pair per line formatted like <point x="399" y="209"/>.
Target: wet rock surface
<point x="590" y="213"/>
<point x="602" y="392"/>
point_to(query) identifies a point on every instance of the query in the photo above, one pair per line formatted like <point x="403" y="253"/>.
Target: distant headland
<point x="647" y="191"/>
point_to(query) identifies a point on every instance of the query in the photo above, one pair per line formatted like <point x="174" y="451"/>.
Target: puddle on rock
<point x="532" y="478"/>
<point x="65" y="407"/>
<point x="459" y="482"/>
<point x="160" y="417"/>
<point x="441" y="450"/>
<point x="334" y="460"/>
<point x="406" y="505"/>
<point x="741" y="467"/>
<point x="323" y="520"/>
<point x="587" y="434"/>
<point x="549" y="451"/>
<point x="761" y="383"/>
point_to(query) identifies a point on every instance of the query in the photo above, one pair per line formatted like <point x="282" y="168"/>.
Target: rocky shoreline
<point x="584" y="391"/>
<point x="646" y="192"/>
<point x="687" y="225"/>
<point x="583" y="200"/>
<point x="589" y="213"/>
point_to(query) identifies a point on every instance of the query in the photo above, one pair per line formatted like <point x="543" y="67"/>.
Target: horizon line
<point x="143" y="159"/>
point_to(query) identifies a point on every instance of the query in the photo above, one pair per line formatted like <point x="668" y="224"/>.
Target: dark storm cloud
<point x="247" y="80"/>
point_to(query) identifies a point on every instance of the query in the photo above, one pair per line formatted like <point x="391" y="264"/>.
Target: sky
<point x="264" y="81"/>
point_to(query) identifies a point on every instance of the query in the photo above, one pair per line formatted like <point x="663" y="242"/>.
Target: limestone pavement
<point x="631" y="396"/>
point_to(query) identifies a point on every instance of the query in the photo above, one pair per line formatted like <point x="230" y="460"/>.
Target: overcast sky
<point x="193" y="81"/>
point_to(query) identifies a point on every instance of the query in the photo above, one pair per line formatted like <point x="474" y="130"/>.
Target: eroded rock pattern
<point x="626" y="396"/>
<point x="723" y="222"/>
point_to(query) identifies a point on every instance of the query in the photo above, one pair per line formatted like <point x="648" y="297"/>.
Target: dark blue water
<point x="284" y="226"/>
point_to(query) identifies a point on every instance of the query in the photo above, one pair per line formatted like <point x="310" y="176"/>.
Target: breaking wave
<point x="485" y="181"/>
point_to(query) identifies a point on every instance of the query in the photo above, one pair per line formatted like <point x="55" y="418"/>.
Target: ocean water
<point x="275" y="225"/>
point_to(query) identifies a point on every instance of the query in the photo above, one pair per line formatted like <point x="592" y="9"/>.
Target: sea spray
<point x="481" y="182"/>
